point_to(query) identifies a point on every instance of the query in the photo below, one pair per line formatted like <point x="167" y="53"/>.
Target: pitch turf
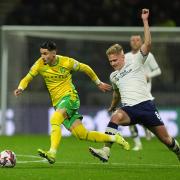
<point x="74" y="162"/>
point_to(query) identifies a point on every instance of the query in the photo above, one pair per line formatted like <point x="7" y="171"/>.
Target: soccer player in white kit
<point x="152" y="70"/>
<point x="130" y="85"/>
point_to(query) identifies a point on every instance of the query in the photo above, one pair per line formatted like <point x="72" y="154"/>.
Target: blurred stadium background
<point x="83" y="30"/>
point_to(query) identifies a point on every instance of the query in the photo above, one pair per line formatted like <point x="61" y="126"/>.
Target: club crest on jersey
<point x="62" y="70"/>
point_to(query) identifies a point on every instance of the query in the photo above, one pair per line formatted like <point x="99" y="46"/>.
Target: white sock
<point x="137" y="141"/>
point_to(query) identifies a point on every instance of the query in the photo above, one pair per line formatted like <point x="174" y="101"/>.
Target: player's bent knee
<point x="80" y="132"/>
<point x="82" y="135"/>
<point x="116" y="118"/>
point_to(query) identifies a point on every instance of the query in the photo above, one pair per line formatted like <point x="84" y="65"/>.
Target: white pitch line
<point x="25" y="162"/>
<point x="119" y="164"/>
<point x="30" y="156"/>
<point x="90" y="163"/>
<point x="31" y="161"/>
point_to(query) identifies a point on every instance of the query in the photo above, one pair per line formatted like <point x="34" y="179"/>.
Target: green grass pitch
<point x="74" y="161"/>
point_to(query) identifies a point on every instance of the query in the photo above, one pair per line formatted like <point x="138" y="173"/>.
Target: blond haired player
<point x="130" y="85"/>
<point x="57" y="73"/>
<point x="152" y="70"/>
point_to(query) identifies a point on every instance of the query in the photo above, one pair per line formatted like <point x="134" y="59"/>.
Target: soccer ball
<point x="7" y="158"/>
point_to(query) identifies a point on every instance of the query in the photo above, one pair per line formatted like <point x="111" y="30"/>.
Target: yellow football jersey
<point x="58" y="77"/>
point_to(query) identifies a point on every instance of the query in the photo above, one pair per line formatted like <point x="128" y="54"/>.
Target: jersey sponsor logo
<point x="117" y="76"/>
<point x="60" y="73"/>
<point x="56" y="76"/>
<point x="125" y="72"/>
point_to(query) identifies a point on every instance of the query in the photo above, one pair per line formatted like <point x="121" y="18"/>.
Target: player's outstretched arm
<point x="23" y="84"/>
<point x="89" y="72"/>
<point x="145" y="48"/>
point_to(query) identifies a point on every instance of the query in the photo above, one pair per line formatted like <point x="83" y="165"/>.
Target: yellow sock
<point x="55" y="138"/>
<point x="81" y="132"/>
<point x="99" y="137"/>
<point x="56" y="120"/>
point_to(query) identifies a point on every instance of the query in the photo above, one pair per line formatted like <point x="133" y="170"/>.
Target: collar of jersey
<point x="57" y="61"/>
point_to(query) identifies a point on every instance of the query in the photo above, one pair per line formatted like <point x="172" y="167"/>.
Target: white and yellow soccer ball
<point x="7" y="158"/>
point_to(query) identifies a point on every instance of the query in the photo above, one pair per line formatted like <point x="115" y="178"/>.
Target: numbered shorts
<point x="144" y="113"/>
<point x="71" y="103"/>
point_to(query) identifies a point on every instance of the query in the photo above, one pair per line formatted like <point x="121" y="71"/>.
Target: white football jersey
<point x="130" y="80"/>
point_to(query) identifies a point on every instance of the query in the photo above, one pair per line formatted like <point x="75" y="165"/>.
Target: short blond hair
<point x="114" y="49"/>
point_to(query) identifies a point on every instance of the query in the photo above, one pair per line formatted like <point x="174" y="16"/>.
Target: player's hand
<point x="104" y="87"/>
<point x="17" y="92"/>
<point x="145" y="14"/>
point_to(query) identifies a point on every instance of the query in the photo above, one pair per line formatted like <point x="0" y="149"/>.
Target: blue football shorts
<point x="144" y="113"/>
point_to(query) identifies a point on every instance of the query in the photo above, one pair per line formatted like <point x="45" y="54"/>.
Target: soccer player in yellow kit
<point x="57" y="73"/>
